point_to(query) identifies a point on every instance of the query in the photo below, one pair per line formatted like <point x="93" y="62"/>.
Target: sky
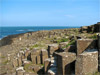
<point x="49" y="12"/>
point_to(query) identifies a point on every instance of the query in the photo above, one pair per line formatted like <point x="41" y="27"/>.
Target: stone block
<point x="44" y="55"/>
<point x="34" y="55"/>
<point x="15" y="62"/>
<point x="64" y="62"/>
<point x="27" y="52"/>
<point x="25" y="62"/>
<point x="38" y="60"/>
<point x="47" y="64"/>
<point x="22" y="56"/>
<point x="44" y="52"/>
<point x="52" y="48"/>
<point x="37" y="68"/>
<point x="33" y="59"/>
<point x="71" y="48"/>
<point x="27" y="73"/>
<point x="20" y="71"/>
<point x="83" y="44"/>
<point x="63" y="44"/>
<point x="99" y="52"/>
<point x="19" y="61"/>
<point x="87" y="63"/>
<point x="52" y="71"/>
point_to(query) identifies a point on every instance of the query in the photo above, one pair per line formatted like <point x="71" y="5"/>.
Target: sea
<point x="5" y="31"/>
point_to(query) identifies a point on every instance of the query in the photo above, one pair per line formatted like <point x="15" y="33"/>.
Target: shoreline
<point x="32" y="30"/>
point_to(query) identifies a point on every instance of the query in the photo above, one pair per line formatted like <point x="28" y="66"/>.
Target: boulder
<point x="27" y="52"/>
<point x="71" y="48"/>
<point x="25" y="62"/>
<point x="52" y="48"/>
<point x="47" y="64"/>
<point x="15" y="62"/>
<point x="38" y="59"/>
<point x="27" y="73"/>
<point x="20" y="71"/>
<point x="64" y="62"/>
<point x="19" y="61"/>
<point x="99" y="51"/>
<point x="83" y="44"/>
<point x="63" y="44"/>
<point x="37" y="68"/>
<point x="87" y="63"/>
<point x="34" y="54"/>
<point x="44" y="55"/>
<point x="52" y="71"/>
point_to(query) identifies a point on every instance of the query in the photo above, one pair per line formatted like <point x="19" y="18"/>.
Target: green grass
<point x="34" y="46"/>
<point x="72" y="42"/>
<point x="93" y="36"/>
<point x="97" y="73"/>
<point x="2" y="56"/>
<point x="5" y="62"/>
<point x="27" y="66"/>
<point x="62" y="40"/>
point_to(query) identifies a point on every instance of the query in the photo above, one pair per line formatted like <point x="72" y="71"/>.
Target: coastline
<point x="20" y="30"/>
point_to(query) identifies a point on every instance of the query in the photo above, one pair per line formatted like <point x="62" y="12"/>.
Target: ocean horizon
<point x="5" y="31"/>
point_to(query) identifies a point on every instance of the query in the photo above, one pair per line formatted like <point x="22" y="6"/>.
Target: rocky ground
<point x="12" y="45"/>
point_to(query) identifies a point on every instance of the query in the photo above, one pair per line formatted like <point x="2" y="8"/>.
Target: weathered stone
<point x="19" y="61"/>
<point x="36" y="68"/>
<point x="25" y="61"/>
<point x="27" y="52"/>
<point x="15" y="62"/>
<point x="44" y="55"/>
<point x="64" y="62"/>
<point x="27" y="73"/>
<point x="78" y="37"/>
<point x="38" y="60"/>
<point x="71" y="48"/>
<point x="33" y="59"/>
<point x="34" y="54"/>
<point x="44" y="52"/>
<point x="84" y="29"/>
<point x="22" y="56"/>
<point x="87" y="63"/>
<point x="20" y="71"/>
<point x="52" y="71"/>
<point x="92" y="28"/>
<point x="52" y="48"/>
<point x="99" y="52"/>
<point x="63" y="44"/>
<point x="83" y="44"/>
<point x="47" y="64"/>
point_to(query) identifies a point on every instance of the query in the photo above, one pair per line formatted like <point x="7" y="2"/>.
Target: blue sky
<point x="49" y="12"/>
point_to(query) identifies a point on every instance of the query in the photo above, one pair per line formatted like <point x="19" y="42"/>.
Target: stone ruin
<point x="93" y="28"/>
<point x="83" y="58"/>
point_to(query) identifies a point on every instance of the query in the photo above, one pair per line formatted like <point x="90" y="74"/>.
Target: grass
<point x="26" y="67"/>
<point x="72" y="42"/>
<point x="5" y="62"/>
<point x="34" y="46"/>
<point x="93" y="36"/>
<point x="2" y="56"/>
<point x="62" y="40"/>
<point x="97" y="73"/>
